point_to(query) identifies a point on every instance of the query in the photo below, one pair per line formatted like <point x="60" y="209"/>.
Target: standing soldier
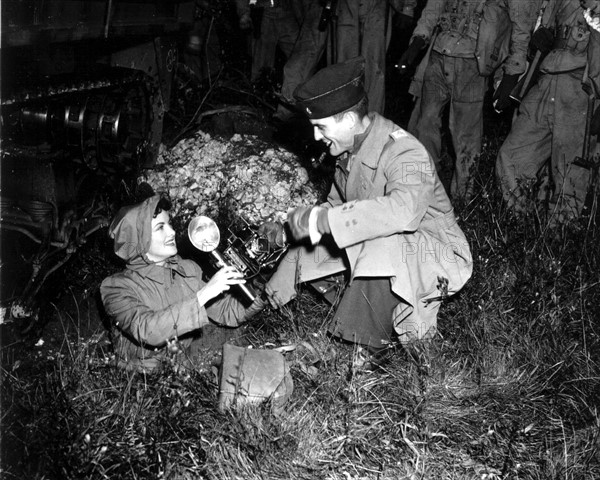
<point x="305" y="55"/>
<point x="278" y="28"/>
<point x="364" y="28"/>
<point x="454" y="76"/>
<point x="553" y="115"/>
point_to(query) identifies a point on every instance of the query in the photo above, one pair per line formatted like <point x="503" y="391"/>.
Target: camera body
<point x="249" y="252"/>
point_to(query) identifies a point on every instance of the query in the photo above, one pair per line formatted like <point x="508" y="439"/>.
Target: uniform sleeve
<point x="226" y="310"/>
<point x="131" y="314"/>
<point x="429" y="19"/>
<point x="409" y="190"/>
<point x="523" y="15"/>
<point x="593" y="55"/>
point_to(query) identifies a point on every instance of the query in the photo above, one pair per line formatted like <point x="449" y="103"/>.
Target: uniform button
<point x="347" y="224"/>
<point x="354" y="222"/>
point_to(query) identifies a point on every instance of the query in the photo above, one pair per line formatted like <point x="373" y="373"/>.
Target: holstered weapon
<point x="525" y="83"/>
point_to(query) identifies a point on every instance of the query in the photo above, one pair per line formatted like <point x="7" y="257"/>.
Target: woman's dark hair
<point x="164" y="204"/>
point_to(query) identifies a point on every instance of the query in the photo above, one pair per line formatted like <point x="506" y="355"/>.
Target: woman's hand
<point x="219" y="283"/>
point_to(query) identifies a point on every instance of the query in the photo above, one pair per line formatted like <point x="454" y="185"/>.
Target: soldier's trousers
<point x="307" y="50"/>
<point x="456" y="82"/>
<point x="279" y="29"/>
<point x="355" y="320"/>
<point x="550" y="125"/>
<point x="362" y="29"/>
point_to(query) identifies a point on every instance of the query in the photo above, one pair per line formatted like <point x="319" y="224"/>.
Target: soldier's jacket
<point x="459" y="27"/>
<point x="575" y="44"/>
<point x="390" y="213"/>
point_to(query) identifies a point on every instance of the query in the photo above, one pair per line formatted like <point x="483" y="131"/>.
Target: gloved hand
<point x="542" y="40"/>
<point x="245" y="22"/>
<point x="297" y="220"/>
<point x="274" y="233"/>
<point x="501" y="99"/>
<point x="410" y="55"/>
<point x="595" y="122"/>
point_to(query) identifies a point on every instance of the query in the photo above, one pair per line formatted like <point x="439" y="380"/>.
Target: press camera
<point x="246" y="250"/>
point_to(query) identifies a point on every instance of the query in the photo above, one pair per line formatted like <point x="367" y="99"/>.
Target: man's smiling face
<point x="338" y="135"/>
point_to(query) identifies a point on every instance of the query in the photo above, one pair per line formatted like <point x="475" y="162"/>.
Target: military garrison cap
<point x="332" y="89"/>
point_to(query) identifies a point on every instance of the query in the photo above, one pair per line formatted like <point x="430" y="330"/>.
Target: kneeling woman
<point x="159" y="303"/>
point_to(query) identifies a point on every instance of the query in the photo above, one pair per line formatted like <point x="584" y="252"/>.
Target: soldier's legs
<point x="364" y="314"/>
<point x="435" y="96"/>
<point x="348" y="30"/>
<point x="264" y="48"/>
<point x="307" y="51"/>
<point x="303" y="264"/>
<point x="374" y="20"/>
<point x="525" y="150"/>
<point x="287" y="30"/>
<point x="466" y="128"/>
<point x="568" y="132"/>
<point x="465" y="122"/>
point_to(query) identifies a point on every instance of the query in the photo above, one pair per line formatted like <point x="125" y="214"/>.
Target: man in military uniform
<point x="452" y="76"/>
<point x="387" y="222"/>
<point x="306" y="54"/>
<point x="278" y="28"/>
<point x="552" y="116"/>
<point x="364" y="28"/>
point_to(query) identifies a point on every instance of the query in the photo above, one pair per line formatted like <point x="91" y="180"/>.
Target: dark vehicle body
<point x="85" y="87"/>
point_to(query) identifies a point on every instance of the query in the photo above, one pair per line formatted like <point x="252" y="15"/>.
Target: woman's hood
<point x="131" y="229"/>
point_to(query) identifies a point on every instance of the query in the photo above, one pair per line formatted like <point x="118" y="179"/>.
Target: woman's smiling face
<point x="338" y="135"/>
<point x="162" y="245"/>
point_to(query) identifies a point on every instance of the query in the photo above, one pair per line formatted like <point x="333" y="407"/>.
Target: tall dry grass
<point x="508" y="389"/>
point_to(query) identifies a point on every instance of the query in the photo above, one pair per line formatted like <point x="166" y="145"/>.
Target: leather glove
<point x="501" y="99"/>
<point x="273" y="232"/>
<point x="595" y="122"/>
<point x="542" y="40"/>
<point x="410" y="55"/>
<point x="297" y="220"/>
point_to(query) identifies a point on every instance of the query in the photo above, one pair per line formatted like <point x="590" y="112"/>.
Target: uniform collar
<point x="361" y="137"/>
<point x="156" y="272"/>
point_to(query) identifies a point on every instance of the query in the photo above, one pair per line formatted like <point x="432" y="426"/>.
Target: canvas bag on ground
<point x="493" y="38"/>
<point x="253" y="376"/>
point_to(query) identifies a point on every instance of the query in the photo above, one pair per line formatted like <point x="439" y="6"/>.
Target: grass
<point x="511" y="389"/>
